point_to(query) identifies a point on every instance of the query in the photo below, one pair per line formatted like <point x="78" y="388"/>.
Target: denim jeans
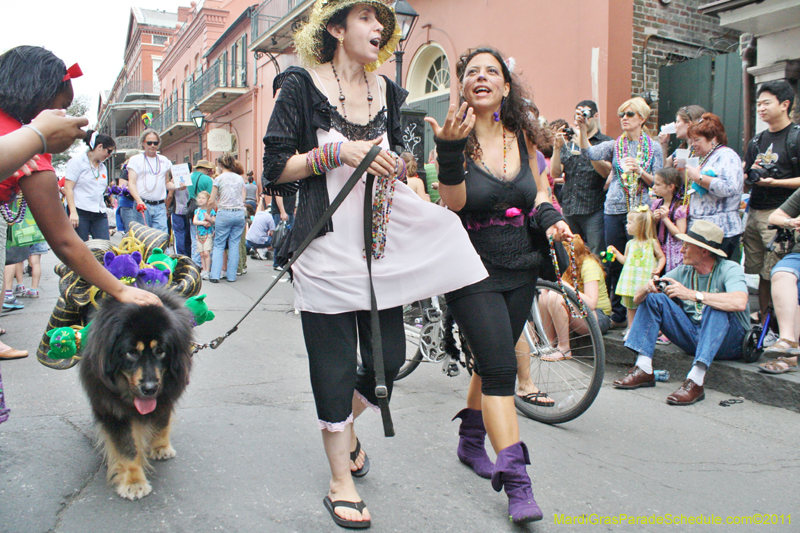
<point x="128" y="215"/>
<point x="155" y="216"/>
<point x="719" y="334"/>
<point x="591" y="228"/>
<point x="256" y="246"/>
<point x="195" y="254"/>
<point x="94" y="224"/>
<point x="228" y="231"/>
<point x="617" y="236"/>
<point x="181" y="232"/>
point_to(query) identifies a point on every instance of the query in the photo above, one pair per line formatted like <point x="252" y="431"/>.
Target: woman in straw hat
<point x="326" y="118"/>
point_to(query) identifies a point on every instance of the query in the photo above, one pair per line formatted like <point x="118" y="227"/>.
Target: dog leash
<point x="381" y="390"/>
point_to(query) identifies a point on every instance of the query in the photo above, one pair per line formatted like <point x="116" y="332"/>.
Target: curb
<point x="731" y="377"/>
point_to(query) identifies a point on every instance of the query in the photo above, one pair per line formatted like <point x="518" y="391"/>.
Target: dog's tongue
<point x="145" y="405"/>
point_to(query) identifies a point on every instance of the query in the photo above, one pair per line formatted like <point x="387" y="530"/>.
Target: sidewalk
<point x="731" y="377"/>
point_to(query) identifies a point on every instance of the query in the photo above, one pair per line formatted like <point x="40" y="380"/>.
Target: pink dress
<point x="669" y="244"/>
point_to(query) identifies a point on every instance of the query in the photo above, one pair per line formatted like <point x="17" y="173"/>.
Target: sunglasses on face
<point x="153" y="143"/>
<point x="629" y="114"/>
<point x="109" y="150"/>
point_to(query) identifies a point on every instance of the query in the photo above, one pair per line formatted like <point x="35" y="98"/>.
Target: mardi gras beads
<point x="583" y="313"/>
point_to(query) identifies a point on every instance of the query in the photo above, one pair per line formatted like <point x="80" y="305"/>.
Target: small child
<point x="669" y="214"/>
<point x="204" y="220"/>
<point x="642" y="260"/>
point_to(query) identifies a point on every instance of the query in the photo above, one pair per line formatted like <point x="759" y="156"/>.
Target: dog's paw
<point x="162" y="453"/>
<point x="134" y="491"/>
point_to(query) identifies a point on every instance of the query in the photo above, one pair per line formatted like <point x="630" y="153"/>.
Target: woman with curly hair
<point x="489" y="175"/>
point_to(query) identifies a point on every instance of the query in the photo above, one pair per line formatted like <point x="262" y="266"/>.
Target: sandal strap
<point x="786" y="361"/>
<point x="354" y="454"/>
<point x="789" y="343"/>
<point x="533" y="395"/>
<point x="357" y="506"/>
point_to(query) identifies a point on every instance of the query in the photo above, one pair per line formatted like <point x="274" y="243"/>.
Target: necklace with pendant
<point x="698" y="306"/>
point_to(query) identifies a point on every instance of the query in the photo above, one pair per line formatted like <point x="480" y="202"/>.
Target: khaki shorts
<point x="205" y="243"/>
<point x="757" y="260"/>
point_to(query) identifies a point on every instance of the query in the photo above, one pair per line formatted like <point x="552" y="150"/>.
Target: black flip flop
<point x="361" y="472"/>
<point x="349" y="524"/>
<point x="534" y="399"/>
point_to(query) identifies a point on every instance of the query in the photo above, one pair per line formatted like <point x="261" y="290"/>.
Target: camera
<point x="661" y="284"/>
<point x="569" y="133"/>
<point x="767" y="170"/>
<point x="587" y="113"/>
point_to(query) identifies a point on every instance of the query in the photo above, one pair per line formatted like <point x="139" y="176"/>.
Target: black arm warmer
<point x="450" y="155"/>
<point x="546" y="215"/>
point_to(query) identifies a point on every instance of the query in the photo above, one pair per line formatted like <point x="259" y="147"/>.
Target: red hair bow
<point x="73" y="72"/>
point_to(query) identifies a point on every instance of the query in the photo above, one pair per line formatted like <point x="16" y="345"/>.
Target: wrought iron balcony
<point x="174" y="118"/>
<point x="219" y="85"/>
<point x="138" y="89"/>
<point x="274" y="22"/>
<point x="125" y="143"/>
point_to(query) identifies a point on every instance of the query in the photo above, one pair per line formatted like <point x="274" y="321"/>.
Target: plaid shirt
<point x="583" y="192"/>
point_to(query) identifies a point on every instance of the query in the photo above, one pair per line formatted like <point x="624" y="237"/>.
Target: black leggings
<point x="492" y="323"/>
<point x="333" y="342"/>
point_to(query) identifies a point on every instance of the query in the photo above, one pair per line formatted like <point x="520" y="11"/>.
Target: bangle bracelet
<point x="41" y="136"/>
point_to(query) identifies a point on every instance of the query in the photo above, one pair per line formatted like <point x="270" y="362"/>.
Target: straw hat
<point x="203" y="163"/>
<point x="308" y="39"/>
<point x="706" y="235"/>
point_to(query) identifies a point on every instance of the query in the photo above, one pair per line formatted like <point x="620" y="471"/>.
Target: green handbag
<point x="23" y="232"/>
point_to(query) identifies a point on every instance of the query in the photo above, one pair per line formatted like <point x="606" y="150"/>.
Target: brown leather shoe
<point x="689" y="393"/>
<point x="11" y="353"/>
<point x="636" y="378"/>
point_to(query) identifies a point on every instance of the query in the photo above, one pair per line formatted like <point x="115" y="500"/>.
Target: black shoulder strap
<point x="792" y="149"/>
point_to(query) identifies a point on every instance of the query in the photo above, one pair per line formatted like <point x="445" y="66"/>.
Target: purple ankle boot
<point x="510" y="473"/>
<point x="471" y="449"/>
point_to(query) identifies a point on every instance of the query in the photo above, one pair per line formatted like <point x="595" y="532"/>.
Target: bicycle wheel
<point x="413" y="322"/>
<point x="571" y="383"/>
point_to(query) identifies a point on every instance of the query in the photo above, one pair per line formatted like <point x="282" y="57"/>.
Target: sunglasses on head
<point x="152" y="143"/>
<point x="629" y="114"/>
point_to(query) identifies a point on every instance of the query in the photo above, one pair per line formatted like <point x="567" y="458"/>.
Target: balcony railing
<point x="270" y="13"/>
<point x="125" y="143"/>
<point x="220" y="75"/>
<point x="171" y="115"/>
<point x="132" y="89"/>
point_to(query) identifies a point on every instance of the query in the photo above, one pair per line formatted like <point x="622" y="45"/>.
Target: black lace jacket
<point x="299" y="111"/>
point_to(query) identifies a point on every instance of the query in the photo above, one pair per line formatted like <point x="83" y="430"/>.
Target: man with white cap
<point x="710" y="318"/>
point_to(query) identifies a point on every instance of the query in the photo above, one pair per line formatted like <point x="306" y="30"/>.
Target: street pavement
<point x="250" y="456"/>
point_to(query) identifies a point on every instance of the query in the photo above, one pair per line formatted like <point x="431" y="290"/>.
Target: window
<point x="438" y="76"/>
<point x="429" y="73"/>
<point x="160" y="40"/>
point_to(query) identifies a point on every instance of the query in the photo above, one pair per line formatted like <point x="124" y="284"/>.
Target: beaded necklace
<point x="154" y="173"/>
<point x="698" y="306"/>
<point x="705" y="157"/>
<point x="91" y="167"/>
<point x="629" y="181"/>
<point x="9" y="216"/>
<point x="505" y="158"/>
<point x="342" y="98"/>
<point x="583" y="312"/>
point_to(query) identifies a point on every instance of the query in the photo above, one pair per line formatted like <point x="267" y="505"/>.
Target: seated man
<point x="710" y="321"/>
<point x="260" y="233"/>
<point x="785" y="280"/>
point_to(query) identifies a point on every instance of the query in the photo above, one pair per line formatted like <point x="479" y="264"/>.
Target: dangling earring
<point x="341" y="40"/>
<point x="497" y="113"/>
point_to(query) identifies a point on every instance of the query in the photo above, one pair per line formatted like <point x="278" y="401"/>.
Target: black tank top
<point x="507" y="251"/>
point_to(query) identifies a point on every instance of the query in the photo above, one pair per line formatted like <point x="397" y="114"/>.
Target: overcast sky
<point x="88" y="32"/>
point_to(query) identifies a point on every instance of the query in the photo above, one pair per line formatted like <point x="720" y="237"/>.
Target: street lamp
<point x="406" y="17"/>
<point x="198" y="118"/>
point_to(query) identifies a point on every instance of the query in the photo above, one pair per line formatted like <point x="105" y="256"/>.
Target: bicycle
<point x="573" y="383"/>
